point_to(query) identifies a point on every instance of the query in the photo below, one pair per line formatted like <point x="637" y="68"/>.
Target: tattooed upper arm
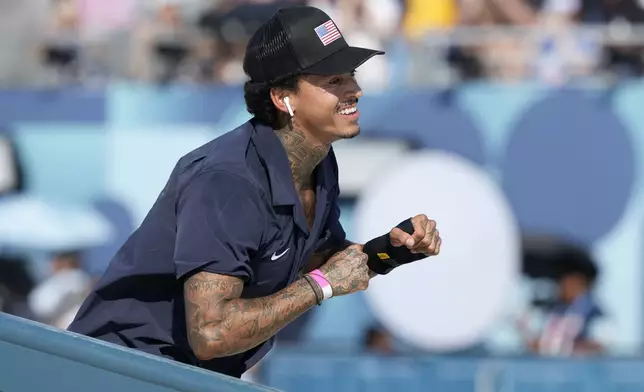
<point x="205" y="295"/>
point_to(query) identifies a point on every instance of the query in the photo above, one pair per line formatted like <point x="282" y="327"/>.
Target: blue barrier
<point x="35" y="357"/>
<point x="295" y="371"/>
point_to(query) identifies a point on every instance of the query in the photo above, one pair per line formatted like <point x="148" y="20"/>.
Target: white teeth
<point x="348" y="110"/>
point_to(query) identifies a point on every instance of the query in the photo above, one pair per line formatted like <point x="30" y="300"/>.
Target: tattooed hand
<point x="347" y="271"/>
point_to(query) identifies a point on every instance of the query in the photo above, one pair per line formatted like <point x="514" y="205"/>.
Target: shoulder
<point x="219" y="185"/>
<point x="225" y="151"/>
<point x="220" y="161"/>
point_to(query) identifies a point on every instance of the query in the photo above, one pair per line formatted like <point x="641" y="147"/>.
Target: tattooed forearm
<point x="220" y="323"/>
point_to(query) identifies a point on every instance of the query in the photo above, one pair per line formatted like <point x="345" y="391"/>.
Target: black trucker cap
<point x="300" y="39"/>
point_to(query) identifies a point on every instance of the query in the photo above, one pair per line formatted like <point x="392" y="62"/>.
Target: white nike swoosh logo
<point x="277" y="256"/>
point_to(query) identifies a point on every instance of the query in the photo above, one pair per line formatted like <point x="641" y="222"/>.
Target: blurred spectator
<point x="99" y="16"/>
<point x="621" y="15"/>
<point x="21" y="30"/>
<point x="228" y="25"/>
<point x="163" y="44"/>
<point x="378" y="341"/>
<point x="564" y="52"/>
<point x="570" y="316"/>
<point x="15" y="284"/>
<point x="507" y="56"/>
<point x="62" y="47"/>
<point x="57" y="299"/>
<point x="11" y="171"/>
<point x="423" y="16"/>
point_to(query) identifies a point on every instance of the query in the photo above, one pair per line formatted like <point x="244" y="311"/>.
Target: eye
<point x="335" y="81"/>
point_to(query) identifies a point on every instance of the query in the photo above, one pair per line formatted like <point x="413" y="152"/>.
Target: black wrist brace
<point x="384" y="257"/>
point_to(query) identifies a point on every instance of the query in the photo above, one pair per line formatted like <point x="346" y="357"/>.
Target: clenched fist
<point x="424" y="240"/>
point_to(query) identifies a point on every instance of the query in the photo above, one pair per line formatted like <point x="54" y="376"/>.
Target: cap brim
<point x="343" y="61"/>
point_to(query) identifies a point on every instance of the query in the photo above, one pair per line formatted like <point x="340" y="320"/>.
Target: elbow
<point x="201" y="350"/>
<point x="206" y="346"/>
<point x="204" y="354"/>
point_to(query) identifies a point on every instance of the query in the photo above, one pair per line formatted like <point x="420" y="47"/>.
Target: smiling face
<point x="326" y="106"/>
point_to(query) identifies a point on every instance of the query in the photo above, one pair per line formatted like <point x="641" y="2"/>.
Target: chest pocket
<point x="272" y="269"/>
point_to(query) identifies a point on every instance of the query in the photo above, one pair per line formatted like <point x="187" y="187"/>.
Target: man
<point x="246" y="236"/>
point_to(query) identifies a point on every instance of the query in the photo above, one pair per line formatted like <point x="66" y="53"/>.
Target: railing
<point x="38" y="358"/>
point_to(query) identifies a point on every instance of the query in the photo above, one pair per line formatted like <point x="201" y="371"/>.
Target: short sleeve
<point x="220" y="223"/>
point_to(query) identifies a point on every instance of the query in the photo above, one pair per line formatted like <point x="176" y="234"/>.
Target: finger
<point x="397" y="237"/>
<point x="420" y="224"/>
<point x="427" y="241"/>
<point x="431" y="249"/>
<point x="438" y="246"/>
<point x="434" y="248"/>
<point x="423" y="245"/>
<point x="432" y="245"/>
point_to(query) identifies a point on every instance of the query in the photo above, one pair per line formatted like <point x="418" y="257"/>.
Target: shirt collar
<point x="274" y="157"/>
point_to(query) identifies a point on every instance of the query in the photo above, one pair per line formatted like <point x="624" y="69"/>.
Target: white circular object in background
<point x="450" y="301"/>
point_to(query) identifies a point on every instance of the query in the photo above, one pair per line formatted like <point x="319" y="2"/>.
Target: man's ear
<point x="277" y="96"/>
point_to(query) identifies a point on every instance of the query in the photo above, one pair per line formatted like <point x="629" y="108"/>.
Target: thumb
<point x="398" y="238"/>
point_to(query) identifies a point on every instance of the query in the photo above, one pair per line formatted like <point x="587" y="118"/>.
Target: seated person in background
<point x="378" y="341"/>
<point x="16" y="282"/>
<point x="57" y="299"/>
<point x="11" y="172"/>
<point x="568" y="323"/>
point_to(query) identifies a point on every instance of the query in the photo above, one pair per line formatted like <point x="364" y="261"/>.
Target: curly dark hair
<point x="258" y="100"/>
<point x="266" y="61"/>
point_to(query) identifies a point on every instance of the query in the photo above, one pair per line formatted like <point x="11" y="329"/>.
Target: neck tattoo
<point x="303" y="155"/>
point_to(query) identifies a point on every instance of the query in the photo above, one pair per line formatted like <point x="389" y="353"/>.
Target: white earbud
<point x="287" y="102"/>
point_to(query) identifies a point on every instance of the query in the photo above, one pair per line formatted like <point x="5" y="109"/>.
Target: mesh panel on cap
<point x="269" y="55"/>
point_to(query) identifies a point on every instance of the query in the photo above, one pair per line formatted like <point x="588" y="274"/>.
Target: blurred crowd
<point x="49" y="42"/>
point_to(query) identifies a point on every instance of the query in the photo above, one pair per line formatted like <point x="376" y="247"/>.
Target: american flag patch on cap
<point x="327" y="32"/>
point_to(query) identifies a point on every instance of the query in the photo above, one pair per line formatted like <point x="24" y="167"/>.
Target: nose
<point x="356" y="90"/>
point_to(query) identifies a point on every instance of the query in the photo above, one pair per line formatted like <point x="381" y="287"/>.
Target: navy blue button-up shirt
<point x="230" y="207"/>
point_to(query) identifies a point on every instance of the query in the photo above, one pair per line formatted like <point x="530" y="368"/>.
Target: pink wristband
<point x="324" y="284"/>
